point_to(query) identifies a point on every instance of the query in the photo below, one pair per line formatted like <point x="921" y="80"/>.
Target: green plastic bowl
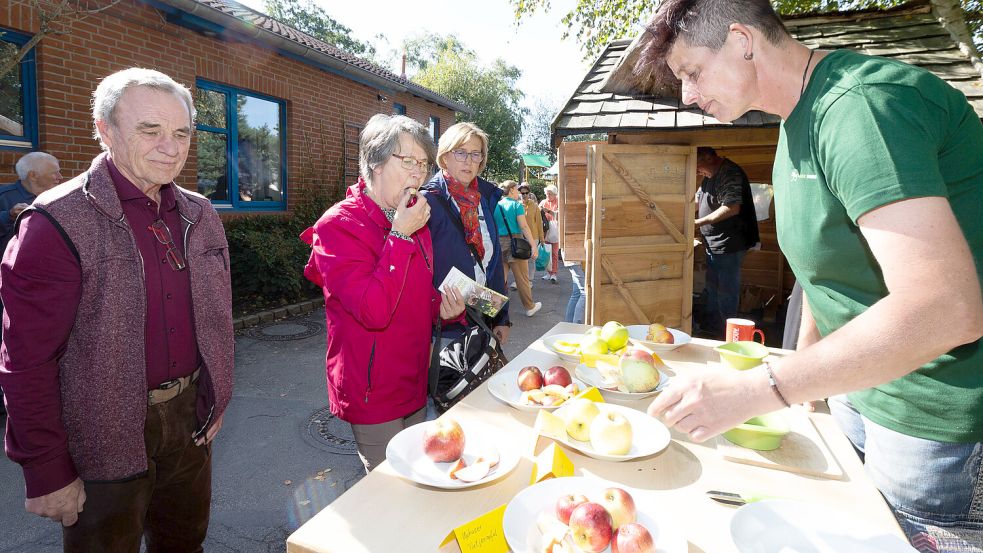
<point x="742" y="355"/>
<point x="763" y="433"/>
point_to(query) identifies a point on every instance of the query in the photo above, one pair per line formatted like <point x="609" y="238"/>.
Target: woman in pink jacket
<point x="373" y="258"/>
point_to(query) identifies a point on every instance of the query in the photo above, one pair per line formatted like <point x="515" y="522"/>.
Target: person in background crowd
<point x="727" y="221"/>
<point x="462" y="223"/>
<point x="534" y="218"/>
<point x="36" y="173"/>
<point x="551" y="206"/>
<point x="510" y="215"/>
<point x="576" y="304"/>
<point x="878" y="184"/>
<point x="373" y="257"/>
<point x="117" y="347"/>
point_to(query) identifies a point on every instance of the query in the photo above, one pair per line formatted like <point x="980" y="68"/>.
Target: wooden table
<point x="385" y="513"/>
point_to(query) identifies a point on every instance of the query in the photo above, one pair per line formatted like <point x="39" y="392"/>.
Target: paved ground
<point x="280" y="457"/>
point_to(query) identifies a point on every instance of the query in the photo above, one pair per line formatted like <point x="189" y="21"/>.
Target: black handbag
<point x="521" y="248"/>
<point x="464" y="363"/>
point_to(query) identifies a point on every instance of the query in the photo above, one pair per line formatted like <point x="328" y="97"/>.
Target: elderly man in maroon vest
<point x="117" y="343"/>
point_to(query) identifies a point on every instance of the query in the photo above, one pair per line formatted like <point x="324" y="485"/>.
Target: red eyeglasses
<point x="163" y="235"/>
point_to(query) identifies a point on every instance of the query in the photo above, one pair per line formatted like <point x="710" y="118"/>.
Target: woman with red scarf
<point x="373" y="257"/>
<point x="462" y="220"/>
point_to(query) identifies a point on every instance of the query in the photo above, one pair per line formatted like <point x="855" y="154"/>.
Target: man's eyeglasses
<point x="163" y="235"/>
<point x="409" y="163"/>
<point x="462" y="155"/>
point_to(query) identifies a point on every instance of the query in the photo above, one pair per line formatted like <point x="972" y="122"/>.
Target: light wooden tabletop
<point x="386" y="513"/>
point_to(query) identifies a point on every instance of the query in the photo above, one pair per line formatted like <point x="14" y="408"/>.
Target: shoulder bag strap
<point x="460" y="226"/>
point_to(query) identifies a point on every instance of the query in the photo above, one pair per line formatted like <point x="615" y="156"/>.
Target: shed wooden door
<point x="639" y="245"/>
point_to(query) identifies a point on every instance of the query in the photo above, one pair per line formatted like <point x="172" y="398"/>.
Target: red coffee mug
<point x="742" y="330"/>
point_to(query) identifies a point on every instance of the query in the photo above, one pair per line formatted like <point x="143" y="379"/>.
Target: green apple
<point x="593" y="345"/>
<point x="578" y="415"/>
<point x="639" y="372"/>
<point x="610" y="434"/>
<point x="615" y="334"/>
<point x="594" y="331"/>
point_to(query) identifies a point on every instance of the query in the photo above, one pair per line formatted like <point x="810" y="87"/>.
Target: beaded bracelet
<point x="773" y="384"/>
<point x="398" y="234"/>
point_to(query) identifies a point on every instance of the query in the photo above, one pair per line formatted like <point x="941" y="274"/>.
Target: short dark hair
<point x="705" y="152"/>
<point x="702" y="23"/>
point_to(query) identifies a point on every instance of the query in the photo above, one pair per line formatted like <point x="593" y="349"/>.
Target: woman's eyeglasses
<point x="163" y="235"/>
<point x="409" y="163"/>
<point x="462" y="155"/>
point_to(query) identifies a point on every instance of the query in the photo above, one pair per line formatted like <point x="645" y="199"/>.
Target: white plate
<point x="502" y="385"/>
<point x="405" y="453"/>
<point x="638" y="332"/>
<point x="785" y="526"/>
<point x="592" y="377"/>
<point x="649" y="436"/>
<point x="522" y="512"/>
<point x="550" y="341"/>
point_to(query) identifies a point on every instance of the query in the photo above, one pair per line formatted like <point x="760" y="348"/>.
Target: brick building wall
<point x="318" y="103"/>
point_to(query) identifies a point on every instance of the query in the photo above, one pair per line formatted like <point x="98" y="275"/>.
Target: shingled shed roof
<point x="612" y="98"/>
<point x="231" y="16"/>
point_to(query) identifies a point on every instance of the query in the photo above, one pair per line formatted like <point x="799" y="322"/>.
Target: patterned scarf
<point x="467" y="198"/>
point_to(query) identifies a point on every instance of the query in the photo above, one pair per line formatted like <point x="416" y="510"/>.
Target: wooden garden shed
<point x="628" y="202"/>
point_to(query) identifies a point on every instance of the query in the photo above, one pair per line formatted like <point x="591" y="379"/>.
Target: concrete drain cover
<point x="331" y="433"/>
<point x="285" y="330"/>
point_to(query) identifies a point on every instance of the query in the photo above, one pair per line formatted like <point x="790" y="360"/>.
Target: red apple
<point x="590" y="526"/>
<point x="619" y="505"/>
<point x="566" y="504"/>
<point x="639" y="370"/>
<point x="632" y="538"/>
<point x="530" y="378"/>
<point x="558" y="375"/>
<point x="443" y="440"/>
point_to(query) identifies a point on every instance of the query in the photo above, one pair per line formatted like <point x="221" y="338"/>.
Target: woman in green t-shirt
<point x="510" y="215"/>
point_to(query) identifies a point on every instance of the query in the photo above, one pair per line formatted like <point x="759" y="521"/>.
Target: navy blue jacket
<point x="451" y="250"/>
<point x="11" y="195"/>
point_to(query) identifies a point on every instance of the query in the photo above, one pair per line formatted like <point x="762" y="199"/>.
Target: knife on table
<point x="735" y="499"/>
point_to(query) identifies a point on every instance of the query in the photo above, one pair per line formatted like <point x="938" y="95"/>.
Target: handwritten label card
<point x="551" y="463"/>
<point x="482" y="535"/>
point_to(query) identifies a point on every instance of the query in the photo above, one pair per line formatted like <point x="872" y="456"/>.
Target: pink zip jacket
<point x="380" y="304"/>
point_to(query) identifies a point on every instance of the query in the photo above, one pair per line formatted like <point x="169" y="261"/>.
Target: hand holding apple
<point x="443" y="440"/>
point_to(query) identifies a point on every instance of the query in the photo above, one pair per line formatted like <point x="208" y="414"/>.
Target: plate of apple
<point x="603" y="430"/>
<point x="584" y="514"/>
<point x="658" y="337"/>
<point x="638" y="373"/>
<point x="439" y="453"/>
<point x="532" y="388"/>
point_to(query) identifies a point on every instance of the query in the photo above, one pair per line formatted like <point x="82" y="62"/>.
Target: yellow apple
<point x="610" y="434"/>
<point x="578" y="414"/>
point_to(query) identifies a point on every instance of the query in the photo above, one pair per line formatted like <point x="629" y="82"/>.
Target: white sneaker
<point x="546" y="276"/>
<point x="553" y="278"/>
<point x="535" y="309"/>
<point x="513" y="286"/>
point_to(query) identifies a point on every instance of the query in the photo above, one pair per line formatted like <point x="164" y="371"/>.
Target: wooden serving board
<point x="802" y="451"/>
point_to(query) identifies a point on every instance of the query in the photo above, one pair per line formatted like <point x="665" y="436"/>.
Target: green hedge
<point x="268" y="257"/>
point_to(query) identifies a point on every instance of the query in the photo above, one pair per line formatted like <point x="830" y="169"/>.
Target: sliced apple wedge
<point x="474" y="472"/>
<point x="458" y="465"/>
<point x="491" y="456"/>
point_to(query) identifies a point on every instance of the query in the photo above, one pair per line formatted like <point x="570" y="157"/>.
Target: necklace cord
<point x="806" y="72"/>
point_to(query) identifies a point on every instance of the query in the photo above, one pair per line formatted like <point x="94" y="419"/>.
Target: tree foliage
<point x="488" y="90"/>
<point x="307" y="16"/>
<point x="594" y="23"/>
<point x="536" y="138"/>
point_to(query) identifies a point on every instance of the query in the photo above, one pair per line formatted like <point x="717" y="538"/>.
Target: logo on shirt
<point x="796" y="176"/>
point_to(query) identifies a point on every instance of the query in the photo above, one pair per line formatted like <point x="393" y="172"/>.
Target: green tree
<point x="492" y="93"/>
<point x="307" y="16"/>
<point x="425" y="48"/>
<point x="594" y="23"/>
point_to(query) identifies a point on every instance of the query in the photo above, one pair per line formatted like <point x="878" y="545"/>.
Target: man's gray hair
<point x="30" y="163"/>
<point x="380" y="140"/>
<point x="107" y="95"/>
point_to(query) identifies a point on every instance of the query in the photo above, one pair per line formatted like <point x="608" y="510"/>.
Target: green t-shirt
<point x="868" y="132"/>
<point x="513" y="209"/>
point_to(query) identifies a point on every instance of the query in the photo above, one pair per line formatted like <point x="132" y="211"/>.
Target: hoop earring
<point x="749" y="56"/>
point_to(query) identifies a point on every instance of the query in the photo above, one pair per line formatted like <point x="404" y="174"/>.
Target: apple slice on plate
<point x="488" y="455"/>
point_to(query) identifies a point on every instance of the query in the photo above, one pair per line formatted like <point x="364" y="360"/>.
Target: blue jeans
<point x="723" y="288"/>
<point x="934" y="488"/>
<point x="575" y="307"/>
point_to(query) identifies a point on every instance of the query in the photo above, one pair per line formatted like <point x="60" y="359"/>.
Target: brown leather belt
<point x="171" y="389"/>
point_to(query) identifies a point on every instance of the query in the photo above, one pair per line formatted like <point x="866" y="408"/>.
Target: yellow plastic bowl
<point x="741" y="355"/>
<point x="763" y="433"/>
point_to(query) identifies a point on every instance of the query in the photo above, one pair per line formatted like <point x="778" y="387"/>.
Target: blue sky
<point x="551" y="67"/>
